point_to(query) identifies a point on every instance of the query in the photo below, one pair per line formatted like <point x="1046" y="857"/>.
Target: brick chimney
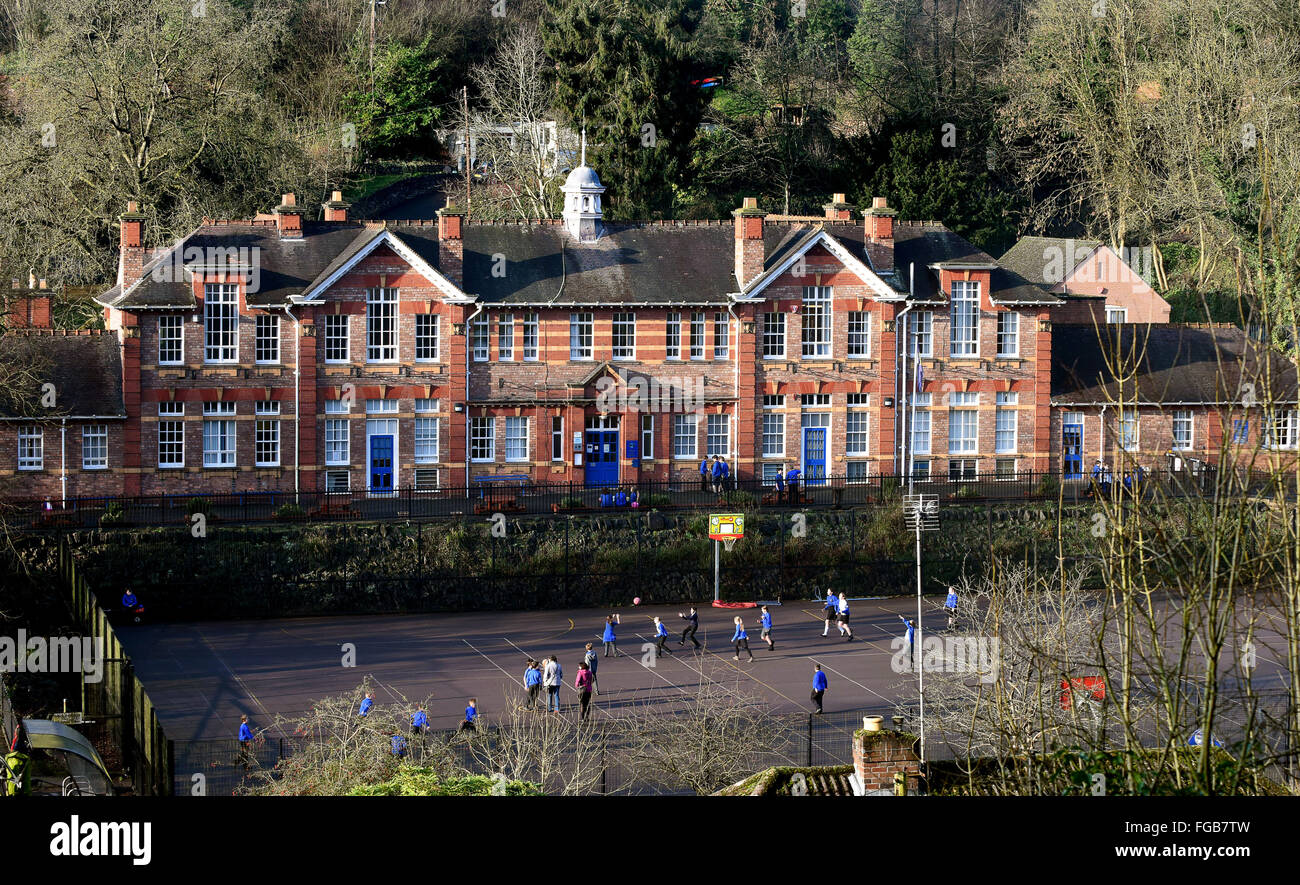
<point x="749" y="240"/>
<point x="451" y="244"/>
<point x="30" y="309"/>
<point x="878" y="756"/>
<point x="288" y="218"/>
<point x="837" y="209"/>
<point x="336" y="209"/>
<point x="880" y="234"/>
<point x="130" y="264"/>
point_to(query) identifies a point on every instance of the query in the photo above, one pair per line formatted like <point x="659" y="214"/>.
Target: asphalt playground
<point x="202" y="676"/>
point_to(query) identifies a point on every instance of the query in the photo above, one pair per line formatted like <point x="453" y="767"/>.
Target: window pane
<point x="426" y="337"/>
<point x="580" y="336"/>
<point x="381" y="325"/>
<point x="336" y="338"/>
<point x="859" y="334"/>
<point x="516" y="439"/>
<point x="817" y="321"/>
<point x="426" y="440"/>
<point x="221" y="322"/>
<point x="965" y="318"/>
<point x="773" y="335"/>
<point x="674" y="336"/>
<point x="624" y="336"/>
<point x="170" y="340"/>
<point x="506" y="337"/>
<point x="267" y="340"/>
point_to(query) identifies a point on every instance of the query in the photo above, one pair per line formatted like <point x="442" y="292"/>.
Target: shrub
<point x="570" y="503"/>
<point x="197" y="505"/>
<point x="1048" y="485"/>
<point x="968" y="491"/>
<point x="290" y="511"/>
<point x="113" y="514"/>
<point x="659" y="500"/>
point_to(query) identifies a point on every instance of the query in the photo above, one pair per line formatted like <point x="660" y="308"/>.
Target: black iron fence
<point x="517" y="495"/>
<point x="125" y="723"/>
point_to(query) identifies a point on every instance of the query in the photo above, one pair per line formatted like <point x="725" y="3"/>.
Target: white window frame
<point x="220" y="323"/>
<point x="266" y="341"/>
<point x="721" y="336"/>
<point x="859" y="342"/>
<point x="427" y="435"/>
<point x="557" y="439"/>
<point x="684" y="423"/>
<point x="1184" y="416"/>
<point x="337" y="331"/>
<point x="219" y="425"/>
<point x="94" y="438"/>
<point x="1008" y="333"/>
<point x="338" y="442"/>
<point x="964" y="320"/>
<point x="922" y="331"/>
<point x="1116" y="314"/>
<point x="818" y="322"/>
<point x="966" y="422"/>
<point x="963" y="474"/>
<point x="922" y="428"/>
<point x="582" y="347"/>
<point x="506" y="338"/>
<point x="532" y="335"/>
<point x="647" y="437"/>
<point x="266" y="441"/>
<point x="514" y="438"/>
<point x="383" y="308"/>
<point x="623" y="335"/>
<point x="171" y="336"/>
<point x="382" y="407"/>
<point x="480" y="340"/>
<point x="1015" y="469"/>
<point x="1005" y="411"/>
<point x="774" y="336"/>
<point x="717" y="437"/>
<point x="673" y="337"/>
<point x="482" y="438"/>
<point x="1288" y="421"/>
<point x="428" y="347"/>
<point x="773" y="438"/>
<point x="31" y="447"/>
<point x="697" y="335"/>
<point x="857" y="426"/>
<point x="1129" y="423"/>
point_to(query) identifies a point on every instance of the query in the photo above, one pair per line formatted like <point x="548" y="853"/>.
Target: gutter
<point x="297" y="388"/>
<point x="63" y="464"/>
<point x="469" y="361"/>
<point x="734" y="344"/>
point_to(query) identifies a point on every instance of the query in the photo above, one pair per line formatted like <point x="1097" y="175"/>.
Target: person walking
<point x="766" y="620"/>
<point x="366" y="704"/>
<point x="830" y="609"/>
<point x="740" y="639"/>
<point x="533" y="683"/>
<point x="419" y="721"/>
<point x="661" y="637"/>
<point x="819" y="687"/>
<point x="590" y="658"/>
<point x="704" y="474"/>
<point x="471" y="713"/>
<point x="583" y="683"/>
<point x="726" y="475"/>
<point x="844" y="616"/>
<point x="245" y="742"/>
<point x="553" y="678"/>
<point x="717" y="475"/>
<point x="950" y="604"/>
<point x="611" y="641"/>
<point x="692" y="624"/>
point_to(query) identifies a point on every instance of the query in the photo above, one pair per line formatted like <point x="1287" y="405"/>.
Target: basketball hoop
<point x="728" y="543"/>
<point x="727" y="528"/>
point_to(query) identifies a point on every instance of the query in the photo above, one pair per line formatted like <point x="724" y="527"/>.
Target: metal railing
<point x="536" y="499"/>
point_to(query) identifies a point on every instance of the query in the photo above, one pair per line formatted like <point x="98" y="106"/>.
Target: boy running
<point x="661" y="637"/>
<point x="819" y="687"/>
<point x="766" y="620"/>
<point x="692" y="624"/>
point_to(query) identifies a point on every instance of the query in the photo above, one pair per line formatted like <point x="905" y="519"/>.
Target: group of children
<point x="716" y="474"/>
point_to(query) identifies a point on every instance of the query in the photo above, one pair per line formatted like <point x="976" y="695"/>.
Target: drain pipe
<point x="733" y="348"/>
<point x="297" y="388"/>
<point x="63" y="464"/>
<point x="469" y="361"/>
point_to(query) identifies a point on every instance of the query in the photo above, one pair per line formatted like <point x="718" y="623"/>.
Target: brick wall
<point x="878" y="756"/>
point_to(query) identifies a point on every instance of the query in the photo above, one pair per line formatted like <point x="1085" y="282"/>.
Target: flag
<point x="920" y="378"/>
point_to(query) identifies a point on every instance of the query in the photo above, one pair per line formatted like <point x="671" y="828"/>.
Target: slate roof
<point x="1026" y="258"/>
<point x="659" y="263"/>
<point x="1176" y="364"/>
<point x="686" y="262"/>
<point x="86" y="370"/>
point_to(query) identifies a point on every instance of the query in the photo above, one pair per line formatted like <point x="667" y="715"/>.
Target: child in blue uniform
<point x="740" y="639"/>
<point x="819" y="687"/>
<point x="609" y="638"/>
<point x="766" y="620"/>
<point x="661" y="637"/>
<point x="831" y="607"/>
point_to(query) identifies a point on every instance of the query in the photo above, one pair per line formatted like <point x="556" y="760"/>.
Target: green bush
<point x="113" y="514"/>
<point x="968" y="491"/>
<point x="656" y="501"/>
<point x="570" y="503"/>
<point x="290" y="511"/>
<point x="1048" y="485"/>
<point x="197" y="505"/>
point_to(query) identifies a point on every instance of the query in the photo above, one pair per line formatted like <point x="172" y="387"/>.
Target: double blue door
<point x="1072" y="450"/>
<point x="602" y="457"/>
<point x="814" y="456"/>
<point x="381" y="464"/>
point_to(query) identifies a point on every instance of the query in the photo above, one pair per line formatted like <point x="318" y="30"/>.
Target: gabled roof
<point x="85" y="369"/>
<point x="927" y="247"/>
<point x="1031" y="258"/>
<point x="421" y="253"/>
<point x="800" y="240"/>
<point x="1175" y="364"/>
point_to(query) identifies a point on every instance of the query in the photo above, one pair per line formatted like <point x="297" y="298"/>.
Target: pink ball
<point x="636" y="601"/>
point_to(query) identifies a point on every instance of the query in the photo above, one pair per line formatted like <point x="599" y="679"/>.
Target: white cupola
<point x="582" y="190"/>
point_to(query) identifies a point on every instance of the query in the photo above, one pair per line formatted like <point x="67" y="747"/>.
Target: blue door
<point x="1072" y="450"/>
<point x="602" y="457"/>
<point x="814" y="456"/>
<point x="381" y="464"/>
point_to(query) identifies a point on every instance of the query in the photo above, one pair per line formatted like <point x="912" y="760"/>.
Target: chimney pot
<point x="337" y="196"/>
<point x="132" y="206"/>
<point x="31" y="279"/>
<point x="837" y="198"/>
<point x="879" y="203"/>
<point x="289" y="200"/>
<point x="16" y="283"/>
<point x="750" y="203"/>
<point x="43" y="283"/>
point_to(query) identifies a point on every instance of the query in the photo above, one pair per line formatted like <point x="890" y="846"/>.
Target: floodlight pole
<point x="917" y="657"/>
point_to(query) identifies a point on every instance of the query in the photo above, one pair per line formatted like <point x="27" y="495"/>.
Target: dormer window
<point x="221" y="323"/>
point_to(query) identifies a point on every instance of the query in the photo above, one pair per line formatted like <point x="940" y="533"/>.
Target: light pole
<point x="922" y="514"/>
